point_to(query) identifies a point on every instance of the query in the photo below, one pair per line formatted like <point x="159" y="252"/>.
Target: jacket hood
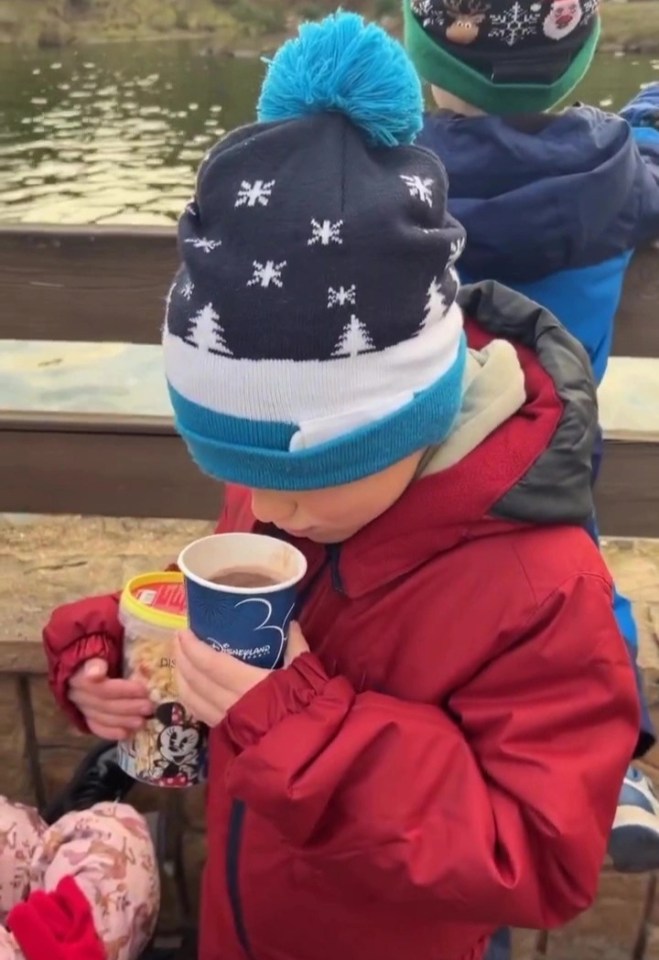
<point x="529" y="189"/>
<point x="534" y="469"/>
<point x="492" y="391"/>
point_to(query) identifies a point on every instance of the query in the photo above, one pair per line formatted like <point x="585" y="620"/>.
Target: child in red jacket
<point x="84" y="888"/>
<point x="442" y="752"/>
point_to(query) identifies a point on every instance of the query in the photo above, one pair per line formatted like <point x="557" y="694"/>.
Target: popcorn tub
<point x="170" y="750"/>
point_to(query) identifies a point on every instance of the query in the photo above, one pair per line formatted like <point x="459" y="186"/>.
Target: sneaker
<point x="634" y="839"/>
<point x="98" y="779"/>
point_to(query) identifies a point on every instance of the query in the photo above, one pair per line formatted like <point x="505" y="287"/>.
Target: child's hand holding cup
<point x="241" y="594"/>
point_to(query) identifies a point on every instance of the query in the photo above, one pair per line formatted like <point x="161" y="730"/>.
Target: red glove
<point x="57" y="925"/>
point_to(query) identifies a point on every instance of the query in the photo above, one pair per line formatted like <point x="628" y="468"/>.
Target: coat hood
<point x="529" y="189"/>
<point x="535" y="468"/>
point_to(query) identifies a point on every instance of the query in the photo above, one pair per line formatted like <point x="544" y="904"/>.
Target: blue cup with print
<point x="241" y="593"/>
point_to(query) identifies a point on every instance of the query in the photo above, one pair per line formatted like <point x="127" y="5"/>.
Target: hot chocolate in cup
<point x="241" y="593"/>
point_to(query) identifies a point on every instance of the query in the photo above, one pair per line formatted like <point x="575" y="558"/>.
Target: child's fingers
<point x="112" y="720"/>
<point x="95" y="669"/>
<point x="91" y="701"/>
<point x="107" y="732"/>
<point x="111" y="689"/>
<point x="92" y="676"/>
<point x="122" y="690"/>
<point x="91" y="671"/>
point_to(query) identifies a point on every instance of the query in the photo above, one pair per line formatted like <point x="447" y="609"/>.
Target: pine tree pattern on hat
<point x="312" y="334"/>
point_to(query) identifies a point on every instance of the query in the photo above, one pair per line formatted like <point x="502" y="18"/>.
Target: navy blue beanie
<point x="312" y="334"/>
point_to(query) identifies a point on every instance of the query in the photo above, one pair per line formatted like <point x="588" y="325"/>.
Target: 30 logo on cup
<point x="247" y="617"/>
<point x="251" y="628"/>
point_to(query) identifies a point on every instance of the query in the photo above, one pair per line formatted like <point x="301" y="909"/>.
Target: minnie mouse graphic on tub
<point x="180" y="754"/>
<point x="170" y="750"/>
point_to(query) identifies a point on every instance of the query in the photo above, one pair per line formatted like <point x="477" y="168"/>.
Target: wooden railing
<point x="107" y="284"/>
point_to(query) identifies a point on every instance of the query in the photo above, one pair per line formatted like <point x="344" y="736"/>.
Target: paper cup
<point x="249" y="622"/>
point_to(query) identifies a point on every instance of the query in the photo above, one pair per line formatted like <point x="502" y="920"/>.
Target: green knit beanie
<point x="502" y="56"/>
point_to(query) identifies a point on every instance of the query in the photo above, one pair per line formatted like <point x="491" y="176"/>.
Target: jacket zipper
<point x="236" y="822"/>
<point x="238" y="809"/>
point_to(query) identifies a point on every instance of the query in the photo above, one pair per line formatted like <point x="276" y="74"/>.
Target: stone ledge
<point x="635" y="567"/>
<point x="47" y="561"/>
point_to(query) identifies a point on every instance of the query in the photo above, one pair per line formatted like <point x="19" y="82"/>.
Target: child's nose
<point x="269" y="506"/>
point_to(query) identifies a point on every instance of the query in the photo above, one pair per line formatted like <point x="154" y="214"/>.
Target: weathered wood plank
<point x="84" y="283"/>
<point x="138" y="467"/>
<point x="637" y="321"/>
<point x="628" y="489"/>
<point x="106" y="466"/>
<point x="105" y="283"/>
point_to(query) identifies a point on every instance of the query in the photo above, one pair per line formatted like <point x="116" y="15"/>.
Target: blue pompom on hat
<point x="312" y="334"/>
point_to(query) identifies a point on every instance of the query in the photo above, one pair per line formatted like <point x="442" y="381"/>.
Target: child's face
<point x="336" y="513"/>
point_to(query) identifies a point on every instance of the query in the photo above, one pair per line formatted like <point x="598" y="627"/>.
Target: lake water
<point x="113" y="133"/>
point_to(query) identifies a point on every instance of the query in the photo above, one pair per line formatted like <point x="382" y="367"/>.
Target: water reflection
<point x="113" y="133"/>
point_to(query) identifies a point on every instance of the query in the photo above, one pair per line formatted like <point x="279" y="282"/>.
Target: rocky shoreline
<point x="246" y="27"/>
<point x="248" y="23"/>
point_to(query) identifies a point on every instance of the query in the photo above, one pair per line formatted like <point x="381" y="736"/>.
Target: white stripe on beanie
<point x="320" y="396"/>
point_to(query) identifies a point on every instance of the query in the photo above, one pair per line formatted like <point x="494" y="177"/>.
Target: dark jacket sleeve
<point x="642" y="114"/>
<point x="493" y="808"/>
<point x="77" y="632"/>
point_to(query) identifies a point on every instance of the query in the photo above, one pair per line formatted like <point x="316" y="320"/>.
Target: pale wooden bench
<point x="92" y="285"/>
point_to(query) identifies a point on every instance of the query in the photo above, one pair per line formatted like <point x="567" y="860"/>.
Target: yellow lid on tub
<point x="157" y="599"/>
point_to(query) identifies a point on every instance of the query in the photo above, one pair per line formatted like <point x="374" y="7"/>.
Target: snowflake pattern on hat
<point x="253" y="194"/>
<point x="419" y="187"/>
<point x="203" y="243"/>
<point x="267" y="273"/>
<point x="325" y="232"/>
<point x="429" y="13"/>
<point x="493" y="23"/>
<point x="342" y="296"/>
<point x="515" y="23"/>
<point x="196" y="319"/>
<point x="261" y="260"/>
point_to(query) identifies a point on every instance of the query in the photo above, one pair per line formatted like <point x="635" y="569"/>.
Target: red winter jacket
<point x="448" y="758"/>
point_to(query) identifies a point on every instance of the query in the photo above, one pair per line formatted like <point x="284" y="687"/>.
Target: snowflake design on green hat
<point x="429" y="12"/>
<point x="590" y="8"/>
<point x="515" y="23"/>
